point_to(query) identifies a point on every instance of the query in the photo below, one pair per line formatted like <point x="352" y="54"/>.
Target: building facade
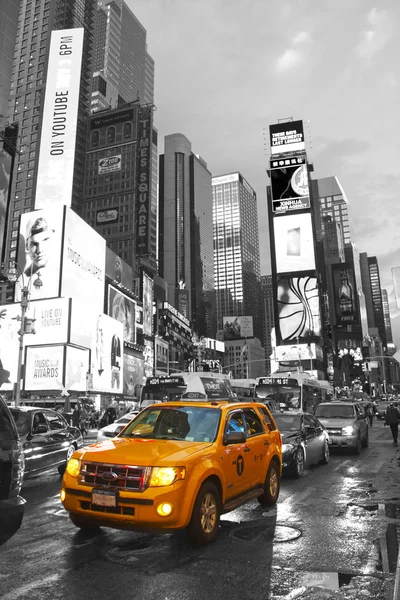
<point x="268" y="318"/>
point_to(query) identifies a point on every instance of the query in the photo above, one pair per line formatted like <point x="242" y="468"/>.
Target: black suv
<point x="11" y="475"/>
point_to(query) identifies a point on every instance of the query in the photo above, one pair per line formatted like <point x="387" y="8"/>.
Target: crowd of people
<point x="85" y="416"/>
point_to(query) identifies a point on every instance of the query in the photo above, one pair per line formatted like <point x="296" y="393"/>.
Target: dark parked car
<point x="304" y="441"/>
<point x="48" y="441"/>
<point x="11" y="475"/>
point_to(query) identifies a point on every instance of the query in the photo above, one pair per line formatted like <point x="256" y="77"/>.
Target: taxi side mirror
<point x="235" y="437"/>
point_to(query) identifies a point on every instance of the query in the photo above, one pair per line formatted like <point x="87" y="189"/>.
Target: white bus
<point x="293" y="390"/>
<point x="243" y="387"/>
<point x="170" y="387"/>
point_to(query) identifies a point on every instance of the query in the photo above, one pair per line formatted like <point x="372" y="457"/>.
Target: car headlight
<point x="288" y="447"/>
<point x="349" y="430"/>
<point x="161" y="476"/>
<point x="74" y="467"/>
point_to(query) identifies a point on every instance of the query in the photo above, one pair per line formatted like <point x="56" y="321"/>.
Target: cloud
<point x="289" y="59"/>
<point x="376" y="35"/>
<point x="301" y="38"/>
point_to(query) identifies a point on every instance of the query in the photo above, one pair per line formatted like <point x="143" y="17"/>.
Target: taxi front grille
<point x="120" y="477"/>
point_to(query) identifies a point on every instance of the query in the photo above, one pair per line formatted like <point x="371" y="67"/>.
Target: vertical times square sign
<point x="143" y="203"/>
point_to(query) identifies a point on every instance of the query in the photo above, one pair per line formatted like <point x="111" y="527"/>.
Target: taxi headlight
<point x="74" y="467"/>
<point x="349" y="430"/>
<point x="287" y="447"/>
<point x="161" y="476"/>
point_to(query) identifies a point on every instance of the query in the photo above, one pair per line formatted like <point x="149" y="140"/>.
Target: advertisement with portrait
<point x="60" y="114"/>
<point x="133" y="373"/>
<point x="9" y="344"/>
<point x="345" y="293"/>
<point x="289" y="186"/>
<point x="107" y="355"/>
<point x="77" y="367"/>
<point x="299" y="317"/>
<point x="236" y="328"/>
<point x="5" y="170"/>
<point x="148" y="356"/>
<point x="44" y="368"/>
<point x="294" y="243"/>
<point x="144" y="153"/>
<point x="122" y="308"/>
<point x="286" y="137"/>
<point x="148" y="296"/>
<point x="161" y="357"/>
<point x="84" y="257"/>
<point x="39" y="253"/>
<point x="118" y="270"/>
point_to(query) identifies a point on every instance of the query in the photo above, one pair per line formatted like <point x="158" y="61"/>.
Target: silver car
<point x="346" y="423"/>
<point x="110" y="431"/>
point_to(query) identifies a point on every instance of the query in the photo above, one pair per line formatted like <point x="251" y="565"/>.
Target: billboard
<point x="112" y="118"/>
<point x="294" y="243"/>
<point x="107" y="355"/>
<point x="236" y="328"/>
<point x="345" y="293"/>
<point x="39" y="252"/>
<point x="51" y="321"/>
<point x="148" y="294"/>
<point x="118" y="270"/>
<point x="108" y="215"/>
<point x="9" y="343"/>
<point x="182" y="297"/>
<point x="133" y="374"/>
<point x="109" y="164"/>
<point x="5" y="170"/>
<point x="122" y="308"/>
<point x="44" y="368"/>
<point x="286" y="137"/>
<point x="299" y="315"/>
<point x="148" y="355"/>
<point x="225" y="179"/>
<point x="298" y="352"/>
<point x="76" y="369"/>
<point x="143" y="202"/>
<point x="289" y="185"/>
<point x="60" y="114"/>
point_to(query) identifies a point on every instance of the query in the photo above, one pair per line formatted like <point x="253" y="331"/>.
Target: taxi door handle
<point x="247" y="449"/>
<point x="266" y="443"/>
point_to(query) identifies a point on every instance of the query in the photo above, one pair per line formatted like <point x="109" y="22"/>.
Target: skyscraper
<point x="123" y="70"/>
<point x="268" y="318"/>
<point x="333" y="203"/>
<point x="28" y="82"/>
<point x="386" y="317"/>
<point x="236" y="250"/>
<point x="186" y="234"/>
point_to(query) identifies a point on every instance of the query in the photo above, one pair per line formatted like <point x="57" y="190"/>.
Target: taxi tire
<point x="83" y="524"/>
<point x="70" y="451"/>
<point x="194" y="531"/>
<point x="271" y="486"/>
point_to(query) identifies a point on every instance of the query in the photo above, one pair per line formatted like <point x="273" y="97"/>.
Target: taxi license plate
<point x="104" y="498"/>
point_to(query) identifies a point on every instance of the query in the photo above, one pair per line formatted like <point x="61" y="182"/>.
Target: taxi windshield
<point x="186" y="423"/>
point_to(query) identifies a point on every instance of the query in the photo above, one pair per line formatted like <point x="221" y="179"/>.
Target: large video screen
<point x="286" y="137"/>
<point x="118" y="270"/>
<point x="289" y="185"/>
<point x="122" y="308"/>
<point x="107" y="355"/>
<point x="148" y="292"/>
<point x="299" y="317"/>
<point x="133" y="374"/>
<point x="44" y="368"/>
<point x="294" y="243"/>
<point x="236" y="328"/>
<point x="345" y="293"/>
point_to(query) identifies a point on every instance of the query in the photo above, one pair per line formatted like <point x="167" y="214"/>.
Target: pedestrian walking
<point x="83" y="421"/>
<point x="392" y="418"/>
<point x="76" y="416"/>
<point x="370" y="414"/>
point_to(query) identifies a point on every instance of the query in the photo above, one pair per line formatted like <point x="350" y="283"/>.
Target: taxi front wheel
<point x="204" y="524"/>
<point x="271" y="486"/>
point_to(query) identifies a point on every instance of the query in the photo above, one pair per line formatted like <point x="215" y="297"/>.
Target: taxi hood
<point x="142" y="452"/>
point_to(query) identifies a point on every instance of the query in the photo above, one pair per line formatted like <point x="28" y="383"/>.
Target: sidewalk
<point x="90" y="437"/>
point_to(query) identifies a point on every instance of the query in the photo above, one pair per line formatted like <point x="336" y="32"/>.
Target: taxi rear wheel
<point x="271" y="486"/>
<point x="204" y="524"/>
<point x="83" y="524"/>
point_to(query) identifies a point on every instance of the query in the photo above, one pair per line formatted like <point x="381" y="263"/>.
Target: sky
<point x="227" y="69"/>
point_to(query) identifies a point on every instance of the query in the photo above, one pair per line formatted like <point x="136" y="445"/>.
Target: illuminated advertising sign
<point x="109" y="215"/>
<point x="225" y="179"/>
<point x="60" y="114"/>
<point x="148" y="355"/>
<point x="122" y="308"/>
<point x="9" y="343"/>
<point x="144" y="180"/>
<point x="133" y="374"/>
<point x="107" y="355"/>
<point x="183" y="302"/>
<point x="76" y="369"/>
<point x="51" y="321"/>
<point x="148" y="292"/>
<point x="294" y="243"/>
<point x="118" y="270"/>
<point x="286" y="137"/>
<point x="236" y="328"/>
<point x="298" y="309"/>
<point x="289" y="185"/>
<point x="44" y="368"/>
<point x="298" y="352"/>
<point x="109" y="164"/>
<point x="5" y="170"/>
<point x="39" y="253"/>
<point x="162" y="355"/>
<point x="345" y="293"/>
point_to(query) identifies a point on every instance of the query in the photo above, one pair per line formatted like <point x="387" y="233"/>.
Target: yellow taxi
<point x="177" y="465"/>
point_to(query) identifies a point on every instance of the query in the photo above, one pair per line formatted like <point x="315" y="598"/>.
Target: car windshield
<point x="338" y="411"/>
<point x="22" y="421"/>
<point x="287" y="422"/>
<point x="190" y="424"/>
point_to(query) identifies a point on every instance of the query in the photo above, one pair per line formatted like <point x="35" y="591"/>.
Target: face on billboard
<point x="236" y="328"/>
<point x="294" y="243"/>
<point x="39" y="253"/>
<point x="289" y="187"/>
<point x="133" y="373"/>
<point x="122" y="308"/>
<point x="44" y="368"/>
<point x="107" y="355"/>
<point x="118" y="270"/>
<point x="147" y="305"/>
<point x="298" y="308"/>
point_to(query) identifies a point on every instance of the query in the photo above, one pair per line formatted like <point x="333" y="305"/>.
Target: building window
<point x="95" y="138"/>
<point x="127" y="131"/>
<point x="110" y="135"/>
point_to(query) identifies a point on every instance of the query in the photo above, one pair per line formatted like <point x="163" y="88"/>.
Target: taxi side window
<point x="267" y="419"/>
<point x="253" y="422"/>
<point x="235" y="422"/>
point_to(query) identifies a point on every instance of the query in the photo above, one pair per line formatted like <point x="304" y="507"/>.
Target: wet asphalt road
<point x="342" y="518"/>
